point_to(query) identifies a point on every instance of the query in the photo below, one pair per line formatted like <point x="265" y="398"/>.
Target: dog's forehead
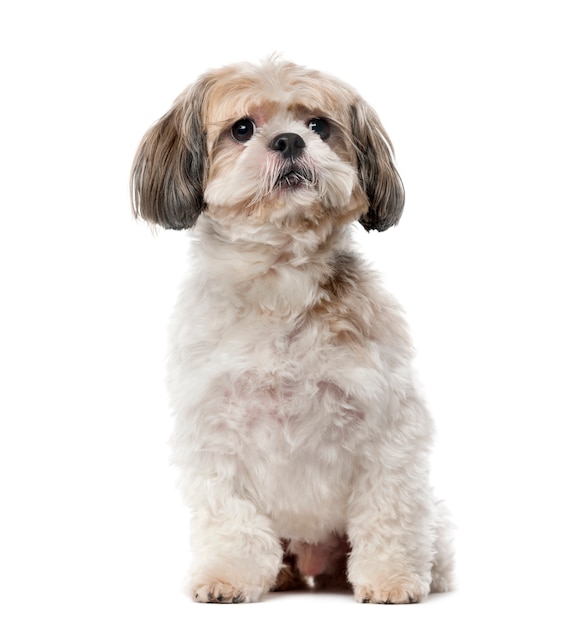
<point x="265" y="92"/>
<point x="284" y="110"/>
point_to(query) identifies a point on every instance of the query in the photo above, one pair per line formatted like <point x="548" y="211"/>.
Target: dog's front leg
<point x="390" y="559"/>
<point x="236" y="555"/>
<point x="390" y="532"/>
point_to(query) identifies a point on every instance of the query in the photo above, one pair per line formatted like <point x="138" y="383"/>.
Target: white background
<point x="482" y="101"/>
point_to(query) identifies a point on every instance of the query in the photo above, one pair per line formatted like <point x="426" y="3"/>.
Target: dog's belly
<point x="302" y="498"/>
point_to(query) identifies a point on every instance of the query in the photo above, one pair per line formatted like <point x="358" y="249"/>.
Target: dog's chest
<point x="279" y="402"/>
<point x="298" y="426"/>
<point x="279" y="373"/>
<point x="289" y="389"/>
<point x="283" y="403"/>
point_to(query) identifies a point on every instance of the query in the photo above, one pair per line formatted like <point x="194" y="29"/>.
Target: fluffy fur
<point x="301" y="437"/>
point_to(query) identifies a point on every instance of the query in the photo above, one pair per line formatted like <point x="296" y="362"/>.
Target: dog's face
<point x="270" y="144"/>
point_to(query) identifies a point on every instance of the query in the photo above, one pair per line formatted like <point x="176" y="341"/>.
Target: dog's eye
<point x="243" y="130"/>
<point x="319" y="126"/>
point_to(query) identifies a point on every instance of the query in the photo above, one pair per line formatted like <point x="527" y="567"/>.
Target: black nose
<point x="290" y="145"/>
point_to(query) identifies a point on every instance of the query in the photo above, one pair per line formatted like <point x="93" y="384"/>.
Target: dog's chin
<point x="293" y="197"/>
<point x="248" y="192"/>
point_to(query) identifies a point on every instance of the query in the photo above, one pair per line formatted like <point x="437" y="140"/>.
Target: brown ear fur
<point x="168" y="172"/>
<point x="378" y="176"/>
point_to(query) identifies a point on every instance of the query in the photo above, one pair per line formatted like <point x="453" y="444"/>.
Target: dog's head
<point x="274" y="143"/>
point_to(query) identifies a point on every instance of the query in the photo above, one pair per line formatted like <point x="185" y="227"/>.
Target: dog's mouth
<point x="294" y="177"/>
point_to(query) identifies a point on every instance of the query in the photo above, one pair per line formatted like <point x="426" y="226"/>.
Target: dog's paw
<point x="220" y="593"/>
<point x="403" y="590"/>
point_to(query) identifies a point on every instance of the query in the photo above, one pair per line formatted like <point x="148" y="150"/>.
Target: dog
<point x="300" y="435"/>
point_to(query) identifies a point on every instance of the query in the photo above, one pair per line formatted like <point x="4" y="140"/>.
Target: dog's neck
<point x="275" y="270"/>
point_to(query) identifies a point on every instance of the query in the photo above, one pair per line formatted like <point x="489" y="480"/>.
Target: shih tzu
<point x="301" y="438"/>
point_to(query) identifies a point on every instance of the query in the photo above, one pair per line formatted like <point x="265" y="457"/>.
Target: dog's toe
<point x="218" y="593"/>
<point x="399" y="593"/>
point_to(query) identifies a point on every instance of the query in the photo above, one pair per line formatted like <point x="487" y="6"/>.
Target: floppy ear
<point x="167" y="177"/>
<point x="378" y="176"/>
